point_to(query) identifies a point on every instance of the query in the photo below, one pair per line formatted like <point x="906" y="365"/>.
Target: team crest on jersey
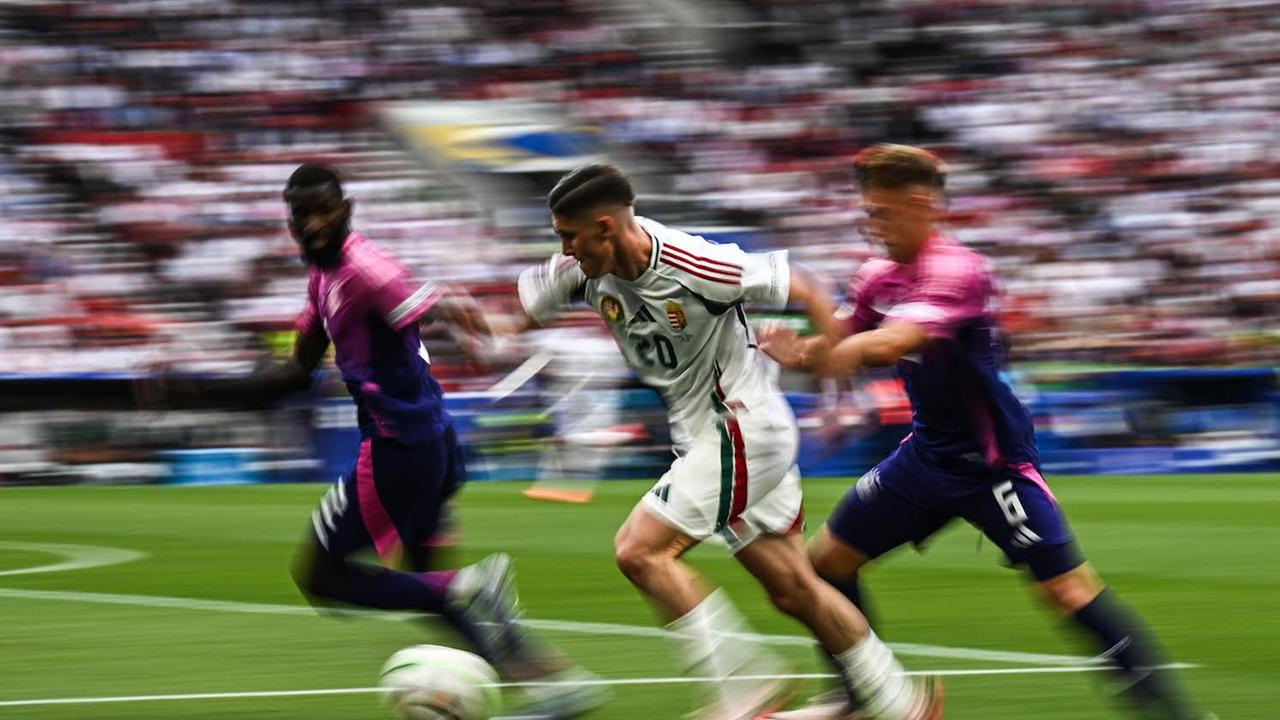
<point x="675" y="316"/>
<point x="611" y="308"/>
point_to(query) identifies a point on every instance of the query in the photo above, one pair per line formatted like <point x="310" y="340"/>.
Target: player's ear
<point x="607" y="226"/>
<point x="348" y="206"/>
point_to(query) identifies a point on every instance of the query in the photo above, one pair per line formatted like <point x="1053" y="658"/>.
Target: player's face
<point x="319" y="220"/>
<point x="900" y="219"/>
<point x="585" y="239"/>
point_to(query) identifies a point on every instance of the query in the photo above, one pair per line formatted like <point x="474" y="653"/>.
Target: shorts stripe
<point x="726" y="476"/>
<point x="386" y="538"/>
<point x="739" y="469"/>
<point x="1028" y="471"/>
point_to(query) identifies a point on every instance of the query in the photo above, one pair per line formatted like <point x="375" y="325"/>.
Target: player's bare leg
<point x="712" y="637"/>
<point x="648" y="553"/>
<point x="873" y="678"/>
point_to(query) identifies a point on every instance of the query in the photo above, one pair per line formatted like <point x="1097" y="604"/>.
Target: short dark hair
<point x="312" y="175"/>
<point x="588" y="186"/>
<point x="894" y="167"/>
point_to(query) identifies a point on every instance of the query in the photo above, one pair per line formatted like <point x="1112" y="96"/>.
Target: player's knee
<point x="796" y="595"/>
<point x="1072" y="590"/>
<point x="309" y="574"/>
<point x="634" y="560"/>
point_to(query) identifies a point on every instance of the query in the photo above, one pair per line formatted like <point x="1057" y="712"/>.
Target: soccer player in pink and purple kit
<point x="409" y="462"/>
<point x="972" y="450"/>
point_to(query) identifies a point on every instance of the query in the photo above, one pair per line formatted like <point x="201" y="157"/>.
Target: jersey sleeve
<point x="309" y="321"/>
<point x="393" y="293"/>
<point x="401" y="301"/>
<point x="857" y="313"/>
<point x="951" y="290"/>
<point x="727" y="274"/>
<point x="547" y="288"/>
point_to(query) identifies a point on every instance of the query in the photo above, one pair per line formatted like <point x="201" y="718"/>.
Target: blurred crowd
<point x="1116" y="160"/>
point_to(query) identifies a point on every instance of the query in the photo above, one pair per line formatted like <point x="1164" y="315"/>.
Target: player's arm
<point x="547" y="288"/>
<point x="403" y="301"/>
<point x="461" y="317"/>
<point x="881" y="347"/>
<point x="782" y="344"/>
<point x="279" y="379"/>
<point x="260" y="389"/>
<point x="946" y="297"/>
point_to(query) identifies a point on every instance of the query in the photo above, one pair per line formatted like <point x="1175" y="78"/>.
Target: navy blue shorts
<point x="906" y="499"/>
<point x="393" y="498"/>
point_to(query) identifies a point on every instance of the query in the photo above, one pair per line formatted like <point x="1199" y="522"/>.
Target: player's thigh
<point x="736" y="481"/>
<point x="391" y="498"/>
<point x="1016" y="510"/>
<point x="645" y="534"/>
<point x="455" y="464"/>
<point x="888" y="507"/>
<point x="337" y="526"/>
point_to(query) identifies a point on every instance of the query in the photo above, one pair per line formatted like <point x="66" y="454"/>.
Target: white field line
<point x="75" y="557"/>
<point x="568" y="626"/>
<point x="602" y="681"/>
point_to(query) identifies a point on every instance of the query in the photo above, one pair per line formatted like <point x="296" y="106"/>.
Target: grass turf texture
<point x="1196" y="554"/>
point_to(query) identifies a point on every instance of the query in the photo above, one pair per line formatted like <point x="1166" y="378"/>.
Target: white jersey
<point x="680" y="325"/>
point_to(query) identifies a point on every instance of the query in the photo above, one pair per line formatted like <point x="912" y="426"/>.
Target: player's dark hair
<point x="894" y="167"/>
<point x="588" y="186"/>
<point x="312" y="175"/>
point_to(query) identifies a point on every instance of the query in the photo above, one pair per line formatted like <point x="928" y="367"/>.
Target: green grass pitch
<point x="1199" y="556"/>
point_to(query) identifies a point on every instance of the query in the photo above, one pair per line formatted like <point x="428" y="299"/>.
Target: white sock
<point x="712" y="643"/>
<point x="876" y="678"/>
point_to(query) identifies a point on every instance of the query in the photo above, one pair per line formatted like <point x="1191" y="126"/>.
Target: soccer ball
<point x="433" y="682"/>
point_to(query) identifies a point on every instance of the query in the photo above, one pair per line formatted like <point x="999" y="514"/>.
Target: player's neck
<point x="634" y="252"/>
<point x="920" y="245"/>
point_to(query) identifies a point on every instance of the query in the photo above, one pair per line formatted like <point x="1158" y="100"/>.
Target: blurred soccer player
<point x="972" y="451"/>
<point x="409" y="462"/>
<point x="674" y="305"/>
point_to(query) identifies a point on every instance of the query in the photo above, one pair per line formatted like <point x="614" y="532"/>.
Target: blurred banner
<point x="495" y="136"/>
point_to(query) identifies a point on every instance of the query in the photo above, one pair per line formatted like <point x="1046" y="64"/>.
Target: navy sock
<point x="1125" y="641"/>
<point x="852" y="589"/>
<point x="382" y="589"/>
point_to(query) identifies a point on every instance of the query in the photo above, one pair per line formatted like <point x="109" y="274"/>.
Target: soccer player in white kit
<point x="674" y="303"/>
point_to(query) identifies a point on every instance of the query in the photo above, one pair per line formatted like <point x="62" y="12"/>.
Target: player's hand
<point x="467" y="314"/>
<point x="782" y="344"/>
<point x="161" y="389"/>
<point x="478" y="349"/>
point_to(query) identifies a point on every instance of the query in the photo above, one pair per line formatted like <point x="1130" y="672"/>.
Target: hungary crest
<point x="675" y="316"/>
<point x="610" y="308"/>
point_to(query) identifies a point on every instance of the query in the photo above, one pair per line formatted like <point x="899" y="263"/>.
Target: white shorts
<point x="737" y="481"/>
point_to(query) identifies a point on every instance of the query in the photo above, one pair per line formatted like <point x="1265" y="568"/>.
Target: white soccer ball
<point x="433" y="682"/>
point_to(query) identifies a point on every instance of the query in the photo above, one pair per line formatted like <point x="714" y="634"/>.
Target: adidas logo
<point x="641" y="317"/>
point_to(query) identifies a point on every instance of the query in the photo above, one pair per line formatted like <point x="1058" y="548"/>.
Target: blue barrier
<point x="213" y="466"/>
<point x="1109" y="422"/>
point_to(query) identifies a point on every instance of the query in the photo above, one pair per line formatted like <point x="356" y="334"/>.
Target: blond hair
<point x="894" y="167"/>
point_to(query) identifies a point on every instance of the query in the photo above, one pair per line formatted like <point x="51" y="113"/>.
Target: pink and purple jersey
<point x="963" y="411"/>
<point x="369" y="307"/>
